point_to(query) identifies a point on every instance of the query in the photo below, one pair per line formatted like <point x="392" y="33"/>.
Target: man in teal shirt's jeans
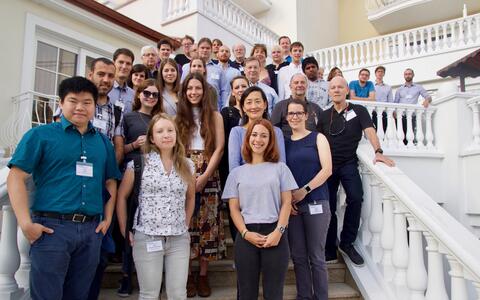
<point x="71" y="164"/>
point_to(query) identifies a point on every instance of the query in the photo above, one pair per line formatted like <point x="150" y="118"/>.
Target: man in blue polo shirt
<point x="72" y="164"/>
<point x="362" y="89"/>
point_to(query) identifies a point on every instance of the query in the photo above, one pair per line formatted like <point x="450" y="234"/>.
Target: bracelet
<point x="244" y="233"/>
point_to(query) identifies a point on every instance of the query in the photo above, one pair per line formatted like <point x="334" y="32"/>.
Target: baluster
<point x="404" y="44"/>
<point x="380" y="132"/>
<point x="422" y="42"/>
<point x="365" y="234"/>
<point x="388" y="235"/>
<point x="436" y="283"/>
<point x="476" y="124"/>
<point x="461" y="33"/>
<point x="344" y="56"/>
<point x="375" y="59"/>
<point x="380" y="50"/>
<point x="437" y="38"/>
<point x="397" y="46"/>
<point x="429" y="130"/>
<point x="416" y="273"/>
<point x="376" y="220"/>
<point x="330" y="58"/>
<point x="477" y="28"/>
<point x="23" y="274"/>
<point x="368" y="58"/>
<point x="415" y="43"/>
<point x="370" y="110"/>
<point x="459" y="287"/>
<point x="391" y="128"/>
<point x="410" y="133"/>
<point x="400" y="133"/>
<point x="430" y="47"/>
<point x="9" y="256"/>
<point x="361" y="59"/>
<point x="337" y="57"/>
<point x="445" y="36"/>
<point x="400" y="251"/>
<point x="419" y="133"/>
<point x="453" y="36"/>
<point x="469" y="31"/>
<point x="356" y="60"/>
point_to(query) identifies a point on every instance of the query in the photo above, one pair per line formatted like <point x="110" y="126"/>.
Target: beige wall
<point x="12" y="21"/>
<point x="281" y="18"/>
<point x="353" y="23"/>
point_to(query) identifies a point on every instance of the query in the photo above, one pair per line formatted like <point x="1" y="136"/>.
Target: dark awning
<point x="467" y="66"/>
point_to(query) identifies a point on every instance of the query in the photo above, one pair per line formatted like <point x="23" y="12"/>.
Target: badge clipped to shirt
<point x="215" y="76"/>
<point x="100" y="123"/>
<point x="154" y="246"/>
<point x="83" y="168"/>
<point x="315" y="208"/>
<point x="350" y="115"/>
<point x="120" y="104"/>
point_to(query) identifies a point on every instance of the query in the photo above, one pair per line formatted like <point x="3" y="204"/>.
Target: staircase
<point x="223" y="280"/>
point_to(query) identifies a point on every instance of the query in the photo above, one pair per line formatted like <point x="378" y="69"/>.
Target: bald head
<point x="338" y="89"/>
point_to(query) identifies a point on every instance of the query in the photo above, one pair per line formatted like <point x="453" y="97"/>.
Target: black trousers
<point x="272" y="262"/>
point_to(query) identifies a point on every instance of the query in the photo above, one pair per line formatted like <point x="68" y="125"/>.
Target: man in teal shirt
<point x="71" y="164"/>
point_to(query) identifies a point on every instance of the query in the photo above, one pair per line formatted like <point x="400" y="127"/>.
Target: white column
<point x="459" y="287"/>
<point x="344" y="56"/>
<point x="420" y="136"/>
<point x="391" y="128"/>
<point x="23" y="274"/>
<point x="388" y="235"/>
<point x="376" y="220"/>
<point x="416" y="273"/>
<point x="364" y="231"/>
<point x="400" y="133"/>
<point x="375" y="59"/>
<point x="368" y="58"/>
<point x="380" y="132"/>
<point x="429" y="130"/>
<point x="476" y="284"/>
<point x="9" y="256"/>
<point x="476" y="124"/>
<point x="402" y="46"/>
<point x="410" y="133"/>
<point x="436" y="284"/>
<point x="400" y="251"/>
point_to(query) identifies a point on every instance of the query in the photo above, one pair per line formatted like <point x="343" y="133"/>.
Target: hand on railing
<point x="379" y="157"/>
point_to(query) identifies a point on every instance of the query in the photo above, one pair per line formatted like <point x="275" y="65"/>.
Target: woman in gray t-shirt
<point x="259" y="194"/>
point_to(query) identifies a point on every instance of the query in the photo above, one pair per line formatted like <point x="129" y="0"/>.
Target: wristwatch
<point x="307" y="188"/>
<point x="281" y="229"/>
<point x="379" y="150"/>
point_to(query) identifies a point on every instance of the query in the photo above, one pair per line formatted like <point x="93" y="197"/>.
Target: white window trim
<point x="37" y="28"/>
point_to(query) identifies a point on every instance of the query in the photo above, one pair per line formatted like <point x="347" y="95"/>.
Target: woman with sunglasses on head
<point x="201" y="130"/>
<point x="162" y="200"/>
<point x="254" y="106"/>
<point x="310" y="161"/>
<point x="259" y="194"/>
<point x="169" y="83"/>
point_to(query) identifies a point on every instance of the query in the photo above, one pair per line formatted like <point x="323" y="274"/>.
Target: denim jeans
<point x="64" y="262"/>
<point x="307" y="235"/>
<point x="348" y="175"/>
<point x="174" y="258"/>
<point x="272" y="262"/>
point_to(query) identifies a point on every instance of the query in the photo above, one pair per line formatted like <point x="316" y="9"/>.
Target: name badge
<point x="154" y="246"/>
<point x="240" y="69"/>
<point x="408" y="96"/>
<point x="120" y="104"/>
<point x="84" y="169"/>
<point x="276" y="71"/>
<point x="215" y="76"/>
<point x="315" y="209"/>
<point x="350" y="115"/>
<point x="100" y="124"/>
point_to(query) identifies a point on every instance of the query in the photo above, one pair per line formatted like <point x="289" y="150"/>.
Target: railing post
<point x="476" y="124"/>
<point x="365" y="235"/>
<point x="23" y="274"/>
<point x="410" y="133"/>
<point x="429" y="129"/>
<point x="388" y="235"/>
<point x="420" y="135"/>
<point x="436" y="284"/>
<point x="380" y="131"/>
<point x="376" y="220"/>
<point x="416" y="273"/>
<point x="400" y="251"/>
<point x="391" y="127"/>
<point x="400" y="134"/>
<point x="9" y="256"/>
<point x="459" y="287"/>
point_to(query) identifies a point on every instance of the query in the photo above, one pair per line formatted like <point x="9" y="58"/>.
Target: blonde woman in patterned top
<point x="161" y="205"/>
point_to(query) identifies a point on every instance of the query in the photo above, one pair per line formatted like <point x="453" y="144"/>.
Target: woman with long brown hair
<point x="201" y="130"/>
<point x="169" y="84"/>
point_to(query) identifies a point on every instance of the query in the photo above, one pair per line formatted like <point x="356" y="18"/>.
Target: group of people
<point x="157" y="149"/>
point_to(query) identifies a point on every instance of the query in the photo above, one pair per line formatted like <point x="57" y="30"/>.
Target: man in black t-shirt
<point x="343" y="124"/>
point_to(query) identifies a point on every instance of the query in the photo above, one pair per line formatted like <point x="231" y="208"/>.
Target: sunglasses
<point x="149" y="94"/>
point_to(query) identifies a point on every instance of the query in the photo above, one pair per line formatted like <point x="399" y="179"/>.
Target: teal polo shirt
<point x="50" y="153"/>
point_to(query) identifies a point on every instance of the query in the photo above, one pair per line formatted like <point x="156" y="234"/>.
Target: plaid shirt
<point x="106" y="113"/>
<point x="317" y="92"/>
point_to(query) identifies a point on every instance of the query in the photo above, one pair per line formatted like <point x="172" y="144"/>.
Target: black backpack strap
<point x="133" y="199"/>
<point x="117" y="112"/>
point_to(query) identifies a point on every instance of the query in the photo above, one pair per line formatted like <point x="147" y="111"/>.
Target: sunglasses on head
<point x="149" y="94"/>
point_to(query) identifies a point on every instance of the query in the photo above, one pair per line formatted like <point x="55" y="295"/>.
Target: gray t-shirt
<point x="258" y="188"/>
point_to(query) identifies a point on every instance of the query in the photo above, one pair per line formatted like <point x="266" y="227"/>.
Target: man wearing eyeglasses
<point x="343" y="124"/>
<point x="298" y="86"/>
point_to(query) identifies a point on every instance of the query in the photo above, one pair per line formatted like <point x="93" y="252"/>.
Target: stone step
<point x="222" y="274"/>
<point x="337" y="291"/>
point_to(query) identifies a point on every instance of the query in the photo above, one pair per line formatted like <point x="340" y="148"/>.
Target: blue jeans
<point x="64" y="262"/>
<point x="348" y="175"/>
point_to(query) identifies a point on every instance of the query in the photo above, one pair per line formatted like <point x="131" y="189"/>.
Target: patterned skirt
<point x="206" y="230"/>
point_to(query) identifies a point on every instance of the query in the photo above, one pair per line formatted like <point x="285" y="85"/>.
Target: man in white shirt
<point x="286" y="73"/>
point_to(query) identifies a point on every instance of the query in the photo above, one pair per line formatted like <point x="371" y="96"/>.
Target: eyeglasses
<point x="149" y="94"/>
<point x="297" y="114"/>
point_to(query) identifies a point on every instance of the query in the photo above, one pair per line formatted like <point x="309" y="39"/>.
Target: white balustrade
<point x="394" y="200"/>
<point x="23" y="274"/>
<point x="364" y="230"/>
<point x="474" y="105"/>
<point x="9" y="255"/>
<point x="423" y="41"/>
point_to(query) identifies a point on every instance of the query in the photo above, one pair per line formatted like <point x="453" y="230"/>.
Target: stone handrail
<point x="474" y="104"/>
<point x="418" y="136"/>
<point x="396" y="215"/>
<point x="226" y="14"/>
<point x="30" y="109"/>
<point x="428" y="40"/>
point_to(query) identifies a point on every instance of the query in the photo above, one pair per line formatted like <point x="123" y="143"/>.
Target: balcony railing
<point x="226" y="14"/>
<point x="456" y="34"/>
